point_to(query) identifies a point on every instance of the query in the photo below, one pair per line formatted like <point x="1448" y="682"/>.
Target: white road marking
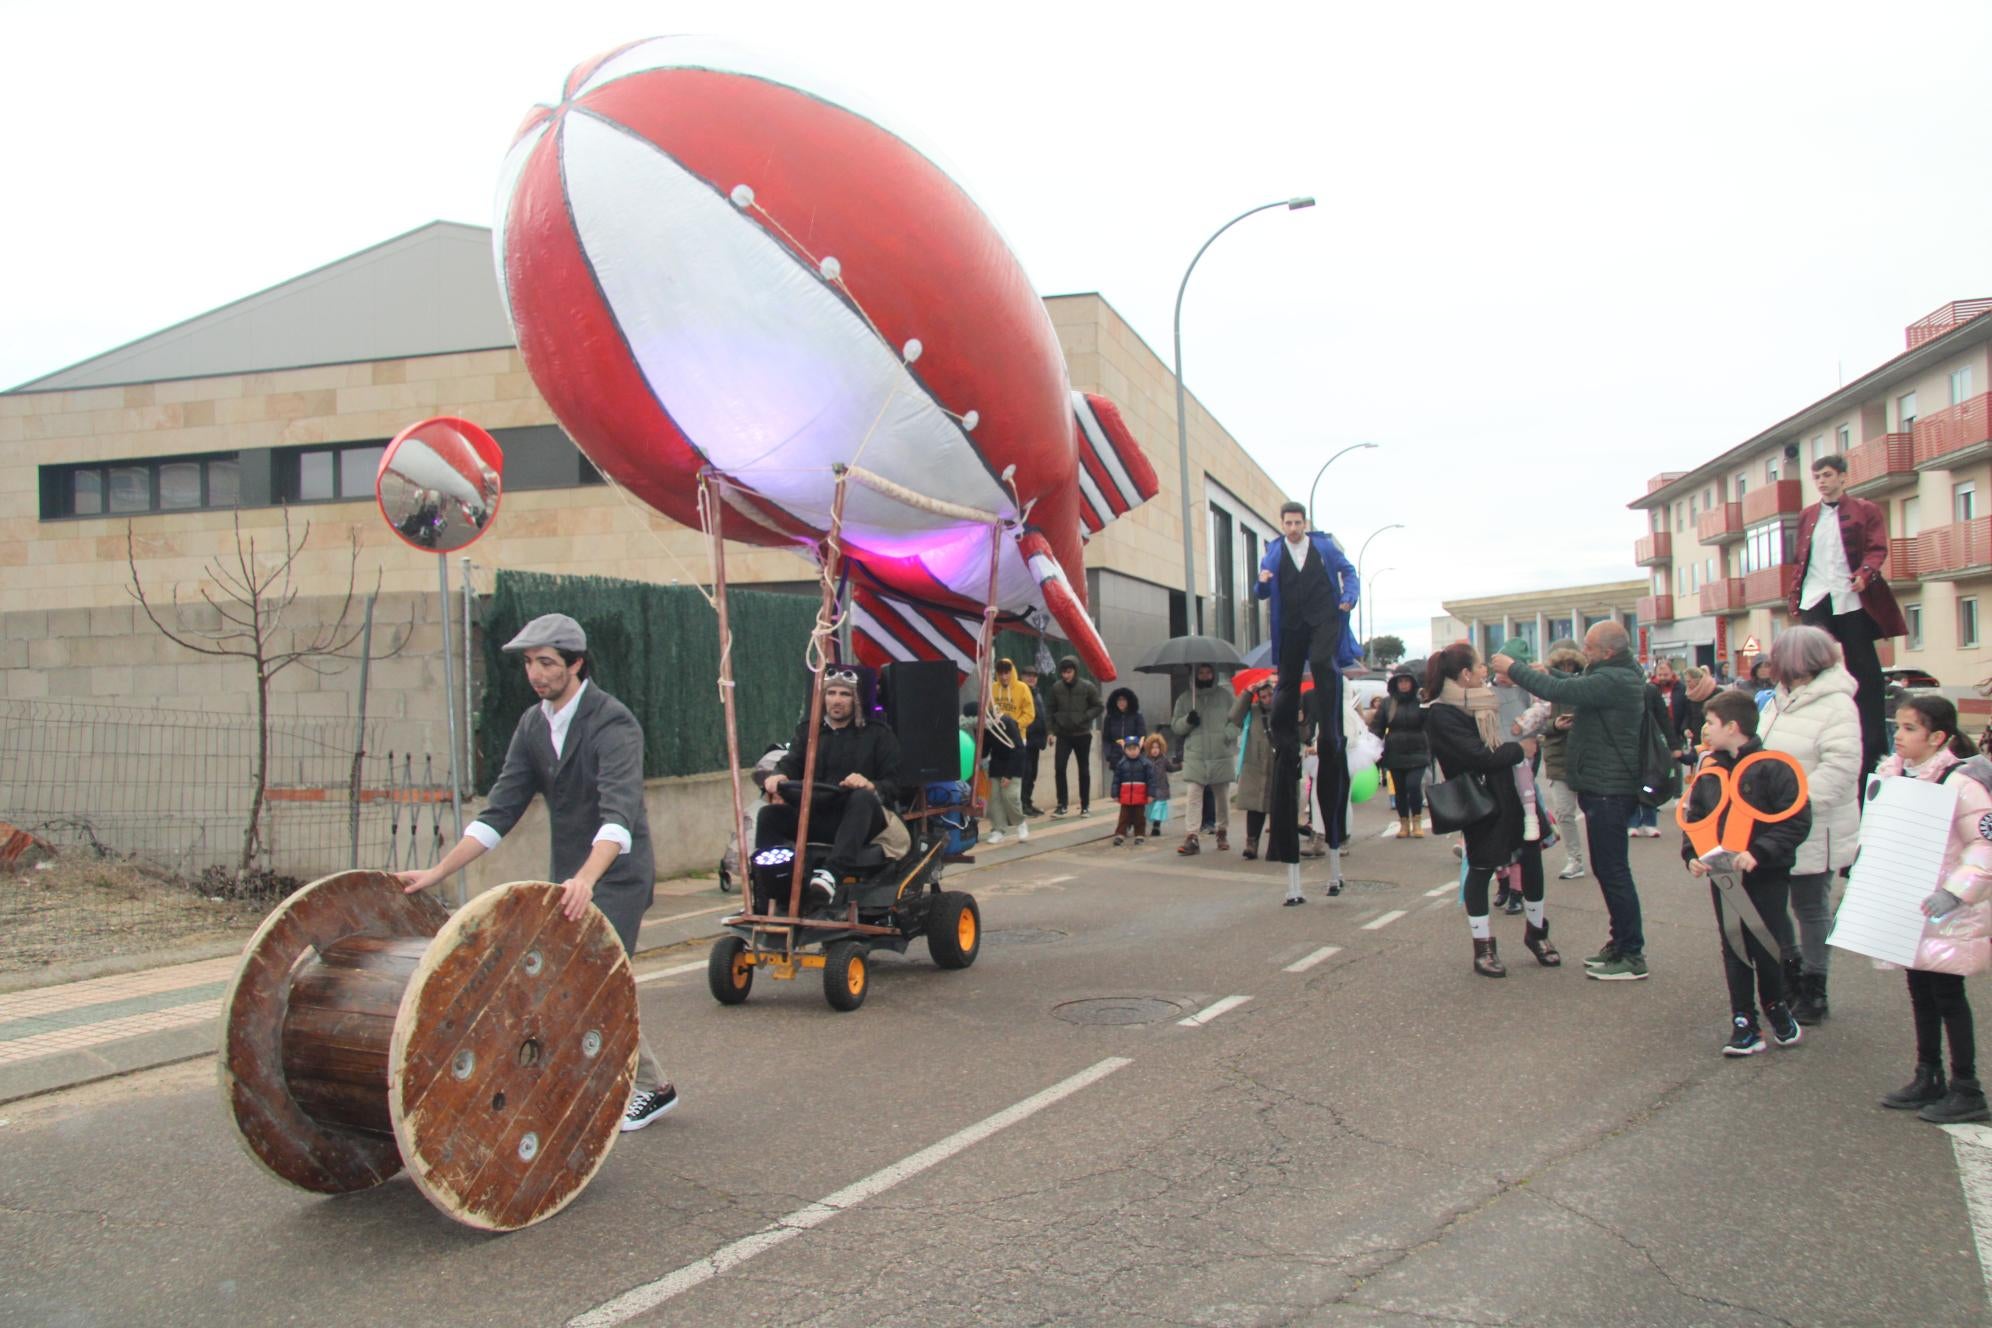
<point x="1972" y="1145"/>
<point x="1388" y="832"/>
<point x="1449" y="888"/>
<point x="1384" y="921"/>
<point x="671" y="972"/>
<point x="1212" y="1011"/>
<point x="696" y="913"/>
<point x="1309" y="961"/>
<point x="638" y="1300"/>
<point x="1060" y="880"/>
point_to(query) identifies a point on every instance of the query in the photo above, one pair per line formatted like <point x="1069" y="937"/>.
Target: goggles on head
<point x="841" y="678"/>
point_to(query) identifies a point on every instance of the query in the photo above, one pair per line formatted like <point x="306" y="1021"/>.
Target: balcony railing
<point x="1955" y="435"/>
<point x="1655" y="608"/>
<point x="1881" y="464"/>
<point x="1949" y="553"/>
<point x="1724" y="596"/>
<point x="1768" y="586"/>
<point x="1901" y="568"/>
<point x="1655" y="548"/>
<point x="1773" y="500"/>
<point x="1721" y="524"/>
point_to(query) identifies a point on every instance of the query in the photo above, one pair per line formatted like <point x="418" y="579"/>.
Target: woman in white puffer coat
<point x="1812" y="718"/>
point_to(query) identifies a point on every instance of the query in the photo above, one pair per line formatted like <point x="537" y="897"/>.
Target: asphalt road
<point x="1379" y="1138"/>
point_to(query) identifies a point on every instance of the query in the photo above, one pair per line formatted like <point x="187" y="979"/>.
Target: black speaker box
<point x="923" y="705"/>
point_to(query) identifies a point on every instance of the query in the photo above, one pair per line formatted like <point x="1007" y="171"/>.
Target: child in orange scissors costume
<point x="1742" y="817"/>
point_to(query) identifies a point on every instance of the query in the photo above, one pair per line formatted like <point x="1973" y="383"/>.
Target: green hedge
<point x="656" y="648"/>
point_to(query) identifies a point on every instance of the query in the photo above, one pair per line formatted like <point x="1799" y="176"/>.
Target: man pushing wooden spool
<point x="491" y="1051"/>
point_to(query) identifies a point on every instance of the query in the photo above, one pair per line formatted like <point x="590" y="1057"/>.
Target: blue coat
<point x="1340" y="571"/>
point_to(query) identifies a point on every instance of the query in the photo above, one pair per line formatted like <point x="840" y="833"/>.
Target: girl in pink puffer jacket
<point x="1957" y="927"/>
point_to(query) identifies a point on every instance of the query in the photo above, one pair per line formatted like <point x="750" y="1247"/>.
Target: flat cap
<point x="550" y="629"/>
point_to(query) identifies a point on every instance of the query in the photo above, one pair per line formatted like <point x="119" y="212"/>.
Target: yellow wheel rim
<point x="855" y="975"/>
<point x="742" y="970"/>
<point x="965" y="931"/>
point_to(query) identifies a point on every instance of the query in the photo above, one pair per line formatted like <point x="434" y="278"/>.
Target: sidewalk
<point x="60" y="1036"/>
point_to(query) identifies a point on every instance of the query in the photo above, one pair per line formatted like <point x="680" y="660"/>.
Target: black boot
<point x="1809" y="1006"/>
<point x="1536" y="940"/>
<point x="1486" y="962"/>
<point x="1925" y="1088"/>
<point x="1794" y="977"/>
<point x="1965" y="1102"/>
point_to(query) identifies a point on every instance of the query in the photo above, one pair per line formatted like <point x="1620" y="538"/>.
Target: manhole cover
<point x="1120" y="1010"/>
<point x="1023" y="936"/>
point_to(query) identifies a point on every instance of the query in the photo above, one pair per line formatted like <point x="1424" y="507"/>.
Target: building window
<point x="1223" y="574"/>
<point x="1843" y="438"/>
<point x="1593" y="619"/>
<point x="1967" y="622"/>
<point x="1905" y="412"/>
<point x="1631" y="621"/>
<point x="1912" y="614"/>
<point x="158" y="484"/>
<point x="329" y="474"/>
<point x="1964" y="501"/>
<point x="1249" y="545"/>
<point x="1694" y="510"/>
<point x="1559" y="628"/>
<point x="1960" y="385"/>
<point x="1763" y="546"/>
<point x="1526" y="629"/>
<point x="1912" y="517"/>
<point x="1708" y="570"/>
<point x="1491" y="637"/>
<point x="1742" y="485"/>
<point x="1771" y="471"/>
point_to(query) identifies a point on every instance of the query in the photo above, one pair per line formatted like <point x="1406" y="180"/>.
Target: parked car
<point x="1906" y="677"/>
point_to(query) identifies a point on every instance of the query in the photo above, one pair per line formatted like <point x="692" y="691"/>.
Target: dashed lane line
<point x="1972" y="1146"/>
<point x="1306" y="962"/>
<point x="1450" y="887"/>
<point x="639" y="1300"/>
<point x="1212" y="1011"/>
<point x="671" y="972"/>
<point x="1383" y="920"/>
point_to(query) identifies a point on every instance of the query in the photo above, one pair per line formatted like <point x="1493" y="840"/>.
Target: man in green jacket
<point x="1074" y="706"/>
<point x="1601" y="760"/>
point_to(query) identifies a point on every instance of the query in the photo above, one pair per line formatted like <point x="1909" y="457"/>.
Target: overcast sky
<point x="1560" y="248"/>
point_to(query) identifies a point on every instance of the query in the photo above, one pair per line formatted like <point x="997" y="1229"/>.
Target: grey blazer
<point x="597" y="779"/>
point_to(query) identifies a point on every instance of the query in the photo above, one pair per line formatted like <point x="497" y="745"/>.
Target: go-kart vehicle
<point x="882" y="904"/>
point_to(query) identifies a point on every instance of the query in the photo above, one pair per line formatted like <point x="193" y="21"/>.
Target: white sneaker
<point x="824" y="884"/>
<point x="993" y="838"/>
<point x="1023" y="832"/>
<point x="1531" y="827"/>
<point x="1571" y="871"/>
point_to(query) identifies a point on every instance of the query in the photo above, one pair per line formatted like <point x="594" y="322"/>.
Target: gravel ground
<point x="65" y="911"/>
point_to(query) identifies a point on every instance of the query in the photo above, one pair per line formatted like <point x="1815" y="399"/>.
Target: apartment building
<point x="1917" y="434"/>
<point x="1539" y="617"/>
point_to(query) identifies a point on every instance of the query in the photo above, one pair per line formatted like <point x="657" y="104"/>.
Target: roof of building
<point x="1926" y="346"/>
<point x="430" y="291"/>
<point x="1590" y="596"/>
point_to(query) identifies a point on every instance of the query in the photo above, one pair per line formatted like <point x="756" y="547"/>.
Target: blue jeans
<point x="1646" y="818"/>
<point x="1606" y="816"/>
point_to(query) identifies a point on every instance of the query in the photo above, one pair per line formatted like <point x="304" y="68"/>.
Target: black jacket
<point x="1400" y="722"/>
<point x="1768" y="786"/>
<point x="1006" y="759"/>
<point x="1457" y="747"/>
<point x="1684" y="718"/>
<point x="1118" y="724"/>
<point x="870" y="749"/>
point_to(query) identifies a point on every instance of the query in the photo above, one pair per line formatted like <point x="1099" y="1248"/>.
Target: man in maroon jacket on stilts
<point x="1838" y="586"/>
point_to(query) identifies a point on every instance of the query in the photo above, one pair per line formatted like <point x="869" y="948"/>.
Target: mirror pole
<point x="449" y="705"/>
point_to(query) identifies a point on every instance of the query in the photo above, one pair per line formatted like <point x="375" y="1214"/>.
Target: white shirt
<point x="557" y="724"/>
<point x="1826" y="571"/>
<point x="1297" y="552"/>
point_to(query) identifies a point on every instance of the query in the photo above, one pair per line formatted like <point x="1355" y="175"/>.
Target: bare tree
<point x="252" y="595"/>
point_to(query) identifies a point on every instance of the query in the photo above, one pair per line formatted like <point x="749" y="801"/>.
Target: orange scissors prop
<point x="1710" y="832"/>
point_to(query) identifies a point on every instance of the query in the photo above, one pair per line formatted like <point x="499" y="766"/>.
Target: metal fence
<point x="169" y="793"/>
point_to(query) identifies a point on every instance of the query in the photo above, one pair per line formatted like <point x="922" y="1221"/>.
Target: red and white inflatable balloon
<point x="707" y="264"/>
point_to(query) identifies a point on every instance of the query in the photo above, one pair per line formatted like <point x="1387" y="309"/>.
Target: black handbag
<point x="1457" y="803"/>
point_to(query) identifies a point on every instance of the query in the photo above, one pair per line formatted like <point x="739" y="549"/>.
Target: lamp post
<point x="1192" y="605"/>
<point x="1370" y="598"/>
<point x="1353" y="447"/>
<point x="1361" y="616"/>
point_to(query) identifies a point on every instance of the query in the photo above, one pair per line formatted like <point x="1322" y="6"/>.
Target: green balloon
<point x="967" y="757"/>
<point x="1362" y="787"/>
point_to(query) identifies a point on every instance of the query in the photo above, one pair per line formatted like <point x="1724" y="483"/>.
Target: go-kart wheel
<point x="846" y="975"/>
<point x="954" y="929"/>
<point x="728" y="973"/>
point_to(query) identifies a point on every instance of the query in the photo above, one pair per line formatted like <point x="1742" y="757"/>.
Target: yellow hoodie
<point x="1014" y="699"/>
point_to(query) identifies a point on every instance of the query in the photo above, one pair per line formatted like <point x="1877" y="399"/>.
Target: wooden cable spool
<point x="491" y="1051"/>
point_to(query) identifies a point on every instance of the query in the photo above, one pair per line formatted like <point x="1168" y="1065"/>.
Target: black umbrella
<point x="1180" y="654"/>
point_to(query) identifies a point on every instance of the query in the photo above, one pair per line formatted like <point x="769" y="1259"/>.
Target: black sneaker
<point x="1784" y="1029"/>
<point x="1291" y="900"/>
<point x="647" y="1107"/>
<point x="1514" y="904"/>
<point x="1334" y="887"/>
<point x="1744" y="1039"/>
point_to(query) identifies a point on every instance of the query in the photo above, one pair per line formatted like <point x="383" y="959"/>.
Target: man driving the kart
<point x="860" y="757"/>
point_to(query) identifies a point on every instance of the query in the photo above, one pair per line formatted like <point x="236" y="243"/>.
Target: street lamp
<point x="1353" y="447"/>
<point x="1361" y="616"/>
<point x="1192" y="605"/>
<point x="1369" y="597"/>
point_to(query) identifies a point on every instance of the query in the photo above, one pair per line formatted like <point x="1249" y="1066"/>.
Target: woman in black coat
<point x="1400" y="722"/>
<point x="1461" y="725"/>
